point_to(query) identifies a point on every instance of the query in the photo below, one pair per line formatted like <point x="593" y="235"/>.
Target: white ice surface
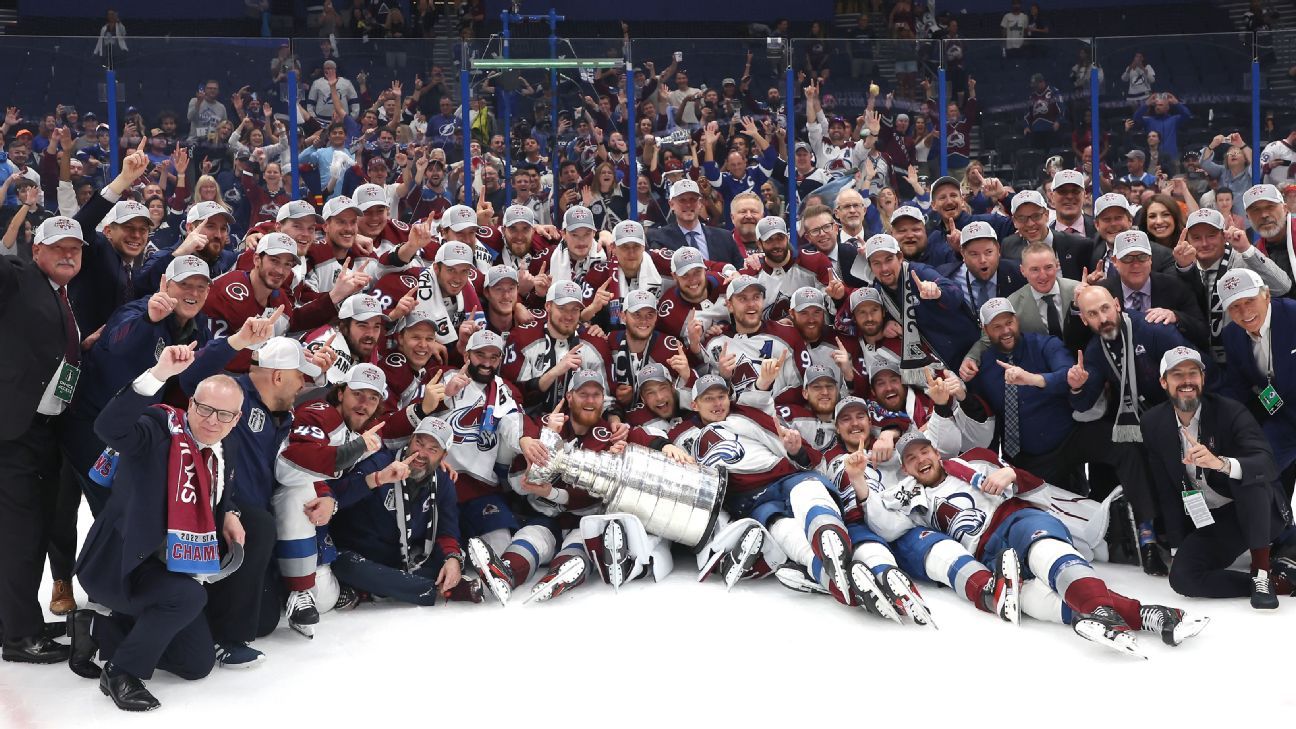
<point x="679" y="654"/>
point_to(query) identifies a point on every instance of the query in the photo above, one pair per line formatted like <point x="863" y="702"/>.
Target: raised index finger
<point x="1080" y="357"/>
<point x="374" y="430"/>
<point x="163" y="284"/>
<point x="278" y="312"/>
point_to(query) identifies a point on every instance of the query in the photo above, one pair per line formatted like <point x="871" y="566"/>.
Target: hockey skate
<point x="1000" y="596"/>
<point x="831" y="545"/>
<point x="1105" y="627"/>
<point x="1174" y="625"/>
<point x="615" y="555"/>
<point x="866" y="593"/>
<point x="738" y="561"/>
<point x="561" y="577"/>
<point x="494" y="571"/>
<point x="794" y="577"/>
<point x="900" y="590"/>
<point x="301" y="612"/>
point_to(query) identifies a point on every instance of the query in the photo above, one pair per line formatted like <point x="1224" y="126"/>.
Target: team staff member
<point x="38" y="376"/>
<point x="150" y="551"/>
<point x="1217" y="486"/>
<point x="1261" y="373"/>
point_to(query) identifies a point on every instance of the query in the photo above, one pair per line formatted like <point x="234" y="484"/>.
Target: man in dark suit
<point x="126" y="564"/>
<point x="1217" y="489"/>
<point x="1259" y="346"/>
<point x="1113" y="216"/>
<point x="1126" y="354"/>
<point x="1045" y="290"/>
<point x="1030" y="216"/>
<point x="1067" y="195"/>
<point x="819" y="234"/>
<point x="1161" y="297"/>
<point x="716" y="244"/>
<point x="983" y="274"/>
<point x="38" y="376"/>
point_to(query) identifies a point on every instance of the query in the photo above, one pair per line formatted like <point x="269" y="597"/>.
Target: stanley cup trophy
<point x="676" y="501"/>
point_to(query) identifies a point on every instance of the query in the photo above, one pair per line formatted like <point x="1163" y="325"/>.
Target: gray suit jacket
<point x="1028" y="315"/>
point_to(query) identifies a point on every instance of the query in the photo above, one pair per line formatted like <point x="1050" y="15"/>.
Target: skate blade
<point x="568" y="573"/>
<point x="306" y="630"/>
<point x="833" y="550"/>
<point x="1011" y="568"/>
<point x="870" y="595"/>
<point x="614" y="555"/>
<point x="749" y="549"/>
<point x="1189" y="627"/>
<point x="912" y="602"/>
<point x="1095" y="632"/>
<point x="795" y="579"/>
<point x="710" y="565"/>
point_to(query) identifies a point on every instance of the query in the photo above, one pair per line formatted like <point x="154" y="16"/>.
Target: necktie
<point x="696" y="240"/>
<point x="1050" y="312"/>
<point x="209" y="462"/>
<point x="982" y="293"/>
<point x="1136" y="300"/>
<point x="72" y="342"/>
<point x="1012" y="421"/>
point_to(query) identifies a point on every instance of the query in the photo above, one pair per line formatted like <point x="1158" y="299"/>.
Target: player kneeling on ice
<point x="553" y="509"/>
<point x="979" y="502"/>
<point x="771" y="480"/>
<point x="397" y="526"/>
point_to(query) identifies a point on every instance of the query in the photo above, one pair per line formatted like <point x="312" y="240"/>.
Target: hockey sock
<point x="950" y="564"/>
<point x="1145" y="533"/>
<point x="531" y="547"/>
<point x="1128" y="608"/>
<point x="497" y="539"/>
<point x="876" y="556"/>
<point x="814" y="507"/>
<point x="1259" y="559"/>
<point x="794" y="543"/>
<point x="1039" y="601"/>
<point x="1068" y="574"/>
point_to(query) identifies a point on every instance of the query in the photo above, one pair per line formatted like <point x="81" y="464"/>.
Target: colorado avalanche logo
<point x="466" y="425"/>
<point x="958" y="516"/>
<point x="665" y="307"/>
<point x="717" y="445"/>
<point x="237" y="291"/>
<point x="744" y="376"/>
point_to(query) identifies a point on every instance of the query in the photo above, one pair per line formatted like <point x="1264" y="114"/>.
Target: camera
<point x="679" y="56"/>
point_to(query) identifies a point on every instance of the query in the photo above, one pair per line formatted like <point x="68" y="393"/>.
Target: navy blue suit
<point x="129" y="345"/>
<point x="939" y="252"/>
<point x="1151" y="341"/>
<point x="1243" y="379"/>
<point x="946" y="323"/>
<point x="1259" y="511"/>
<point x="150" y="274"/>
<point x="102" y="284"/>
<point x="1008" y="278"/>
<point x="720" y="242"/>
<point x="158" y="618"/>
<point x="1045" y="414"/>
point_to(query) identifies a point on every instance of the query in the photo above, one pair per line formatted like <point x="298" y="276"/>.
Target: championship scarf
<point x="431" y="303"/>
<point x="561" y="267"/>
<point x="915" y="354"/>
<point x="1215" y="308"/>
<point x="412" y="556"/>
<point x="191" y="546"/>
<point x="1126" y="429"/>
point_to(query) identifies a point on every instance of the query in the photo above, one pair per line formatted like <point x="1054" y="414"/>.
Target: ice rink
<point x="682" y="654"/>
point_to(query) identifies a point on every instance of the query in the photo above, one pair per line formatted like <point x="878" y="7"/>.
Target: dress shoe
<point x="84" y="646"/>
<point x="37" y="649"/>
<point x="62" y="601"/>
<point x="126" y="691"/>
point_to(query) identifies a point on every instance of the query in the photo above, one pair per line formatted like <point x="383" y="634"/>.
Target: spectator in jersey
<point x="206" y="111"/>
<point x="323" y="90"/>
<point x="1235" y="173"/>
<point x="1043" y="114"/>
<point x="737" y="176"/>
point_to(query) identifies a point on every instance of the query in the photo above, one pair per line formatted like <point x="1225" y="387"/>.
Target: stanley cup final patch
<point x="256" y="420"/>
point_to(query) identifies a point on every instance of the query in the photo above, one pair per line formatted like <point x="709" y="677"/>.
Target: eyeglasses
<point x="1136" y="258"/>
<point x="850" y="206"/>
<point x="821" y="230"/>
<point x="1037" y="217"/>
<point x="206" y="411"/>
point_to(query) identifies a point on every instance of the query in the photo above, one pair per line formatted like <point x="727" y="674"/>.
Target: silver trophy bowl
<point x="676" y="501"/>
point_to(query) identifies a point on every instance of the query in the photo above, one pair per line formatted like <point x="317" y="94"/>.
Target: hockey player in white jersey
<point x="984" y="505"/>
